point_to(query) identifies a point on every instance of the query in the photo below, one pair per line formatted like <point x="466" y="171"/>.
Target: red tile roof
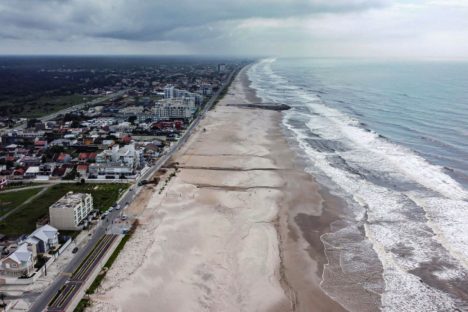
<point x="82" y="168"/>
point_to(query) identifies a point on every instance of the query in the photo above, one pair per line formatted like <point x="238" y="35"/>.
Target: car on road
<point x="75" y="250"/>
<point x="143" y="182"/>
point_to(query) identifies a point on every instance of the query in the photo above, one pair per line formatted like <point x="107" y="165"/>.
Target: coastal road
<point x="46" y="297"/>
<point x="43" y="300"/>
<point x="79" y="277"/>
<point x="172" y="149"/>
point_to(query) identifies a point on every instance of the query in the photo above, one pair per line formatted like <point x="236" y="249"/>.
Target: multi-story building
<point x="70" y="210"/>
<point x="206" y="89"/>
<point x="175" y="108"/>
<point x="169" y="92"/>
<point x="126" y="155"/>
<point x="221" y="68"/>
<point x="110" y="170"/>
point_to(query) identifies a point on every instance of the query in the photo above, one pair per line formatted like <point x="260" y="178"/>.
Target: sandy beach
<point x="236" y="229"/>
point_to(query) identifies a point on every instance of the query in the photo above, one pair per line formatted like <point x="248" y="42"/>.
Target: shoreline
<point x="228" y="236"/>
<point x="293" y="223"/>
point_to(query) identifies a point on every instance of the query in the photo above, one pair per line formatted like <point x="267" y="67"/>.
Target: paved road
<point x="73" y="286"/>
<point x="167" y="154"/>
<point x="43" y="300"/>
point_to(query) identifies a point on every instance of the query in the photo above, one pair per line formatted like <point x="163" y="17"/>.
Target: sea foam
<point x="413" y="212"/>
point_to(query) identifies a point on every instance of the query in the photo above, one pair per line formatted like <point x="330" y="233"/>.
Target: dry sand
<point x="222" y="236"/>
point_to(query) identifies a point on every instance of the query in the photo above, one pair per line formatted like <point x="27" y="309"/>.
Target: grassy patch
<point x="82" y="305"/>
<point x="11" y="200"/>
<point x="20" y="184"/>
<point x="24" y="220"/>
<point x="43" y="105"/>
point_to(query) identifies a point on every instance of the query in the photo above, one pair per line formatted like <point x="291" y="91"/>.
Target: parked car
<point x="75" y="250"/>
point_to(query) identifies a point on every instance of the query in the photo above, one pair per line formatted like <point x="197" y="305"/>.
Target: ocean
<point x="391" y="138"/>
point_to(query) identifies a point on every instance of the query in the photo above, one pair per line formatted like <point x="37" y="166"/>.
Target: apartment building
<point x="175" y="108"/>
<point x="69" y="211"/>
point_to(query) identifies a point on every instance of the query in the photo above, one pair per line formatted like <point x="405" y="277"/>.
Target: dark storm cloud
<point x="141" y="20"/>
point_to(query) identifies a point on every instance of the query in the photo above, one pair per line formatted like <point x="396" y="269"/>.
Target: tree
<point x="31" y="122"/>
<point x="75" y="124"/>
<point x="132" y="119"/>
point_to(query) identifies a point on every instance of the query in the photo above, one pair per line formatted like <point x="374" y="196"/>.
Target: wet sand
<point x="237" y="229"/>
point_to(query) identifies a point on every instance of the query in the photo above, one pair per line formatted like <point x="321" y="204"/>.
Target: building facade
<point x="19" y="263"/>
<point x="182" y="108"/>
<point x="70" y="210"/>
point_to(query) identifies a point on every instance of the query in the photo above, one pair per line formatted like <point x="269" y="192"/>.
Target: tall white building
<point x="70" y="210"/>
<point x="169" y="92"/>
<point x="175" y="108"/>
<point x="206" y="89"/>
<point x="126" y="155"/>
<point x="221" y="68"/>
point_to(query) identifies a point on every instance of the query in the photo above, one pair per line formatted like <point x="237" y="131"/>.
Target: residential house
<point x="64" y="158"/>
<point x="31" y="172"/>
<point x="44" y="238"/>
<point x="19" y="263"/>
<point x="82" y="170"/>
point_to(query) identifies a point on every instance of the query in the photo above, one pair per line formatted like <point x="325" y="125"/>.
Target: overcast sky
<point x="337" y="28"/>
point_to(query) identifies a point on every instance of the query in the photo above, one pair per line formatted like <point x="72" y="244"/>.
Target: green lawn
<point x="82" y="305"/>
<point x="43" y="105"/>
<point x="11" y="200"/>
<point x="24" y="220"/>
<point x="21" y="184"/>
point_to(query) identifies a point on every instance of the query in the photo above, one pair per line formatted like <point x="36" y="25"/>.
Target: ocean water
<point x="392" y="139"/>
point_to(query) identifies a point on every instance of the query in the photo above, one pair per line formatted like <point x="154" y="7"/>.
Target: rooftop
<point x="70" y="200"/>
